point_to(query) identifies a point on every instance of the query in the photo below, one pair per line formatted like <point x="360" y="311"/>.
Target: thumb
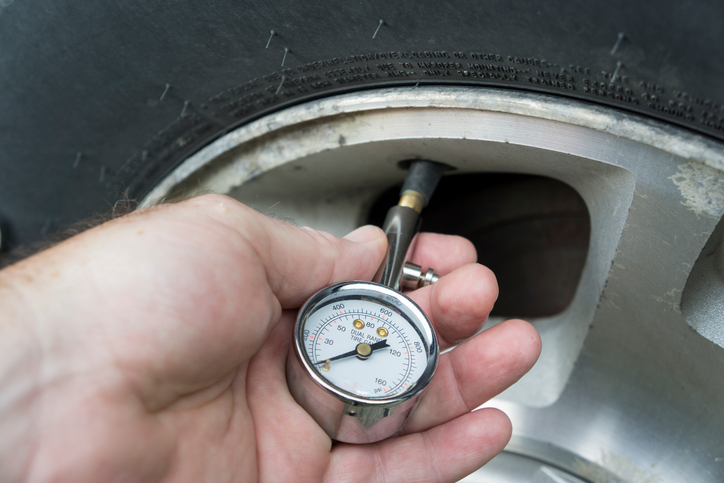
<point x="182" y="293"/>
<point x="302" y="261"/>
<point x="364" y="234"/>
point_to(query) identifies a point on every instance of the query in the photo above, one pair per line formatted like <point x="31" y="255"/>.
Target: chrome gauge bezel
<point x="384" y="296"/>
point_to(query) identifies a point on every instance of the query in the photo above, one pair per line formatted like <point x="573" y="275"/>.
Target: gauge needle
<point x="363" y="350"/>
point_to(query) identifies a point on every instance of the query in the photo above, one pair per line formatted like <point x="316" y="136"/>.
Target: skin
<point x="153" y="348"/>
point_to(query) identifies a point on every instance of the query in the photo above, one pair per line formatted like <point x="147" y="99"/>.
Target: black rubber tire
<point x="97" y="99"/>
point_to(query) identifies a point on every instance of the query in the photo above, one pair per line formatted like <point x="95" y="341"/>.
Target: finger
<point x="459" y="303"/>
<point x="444" y="453"/>
<point x="476" y="371"/>
<point x="444" y="253"/>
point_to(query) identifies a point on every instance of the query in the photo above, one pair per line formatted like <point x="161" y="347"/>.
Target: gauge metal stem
<point x="401" y="226"/>
<point x="403" y="220"/>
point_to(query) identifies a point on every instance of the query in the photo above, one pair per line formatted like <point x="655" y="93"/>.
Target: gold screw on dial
<point x="364" y="349"/>
<point x="382" y="332"/>
<point x="358" y="324"/>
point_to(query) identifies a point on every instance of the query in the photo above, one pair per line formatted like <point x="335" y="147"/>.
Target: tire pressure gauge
<point x="366" y="352"/>
<point x="363" y="353"/>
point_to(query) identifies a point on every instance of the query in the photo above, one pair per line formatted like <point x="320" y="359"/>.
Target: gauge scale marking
<point x="389" y="370"/>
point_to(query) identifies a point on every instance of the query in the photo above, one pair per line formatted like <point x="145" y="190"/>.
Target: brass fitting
<point x="412" y="199"/>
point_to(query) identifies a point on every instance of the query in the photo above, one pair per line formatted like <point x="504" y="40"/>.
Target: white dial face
<point x="364" y="348"/>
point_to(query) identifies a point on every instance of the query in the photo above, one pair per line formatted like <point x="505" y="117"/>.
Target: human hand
<point x="153" y="347"/>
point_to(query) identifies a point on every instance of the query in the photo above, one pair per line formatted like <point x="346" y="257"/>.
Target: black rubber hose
<point x="423" y="178"/>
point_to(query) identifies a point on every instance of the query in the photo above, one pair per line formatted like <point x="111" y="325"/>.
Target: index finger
<point x="444" y="253"/>
<point x="460" y="302"/>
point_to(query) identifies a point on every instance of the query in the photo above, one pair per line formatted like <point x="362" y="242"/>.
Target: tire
<point x="98" y="101"/>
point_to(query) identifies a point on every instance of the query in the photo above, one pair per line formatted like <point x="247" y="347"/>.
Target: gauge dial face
<point x="367" y="346"/>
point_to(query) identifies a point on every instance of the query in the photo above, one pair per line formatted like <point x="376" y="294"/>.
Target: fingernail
<point x="364" y="234"/>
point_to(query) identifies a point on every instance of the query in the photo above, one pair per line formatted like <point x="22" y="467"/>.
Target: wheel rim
<point x="623" y="382"/>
